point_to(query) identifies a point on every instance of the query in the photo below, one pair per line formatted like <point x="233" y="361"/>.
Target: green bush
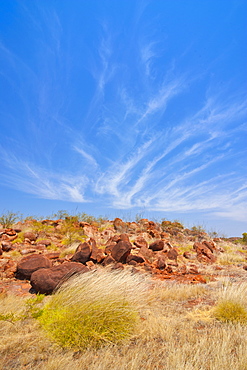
<point x="93" y="309"/>
<point x="230" y="311"/>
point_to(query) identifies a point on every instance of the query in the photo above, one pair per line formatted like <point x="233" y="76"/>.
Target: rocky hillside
<point x="37" y="256"/>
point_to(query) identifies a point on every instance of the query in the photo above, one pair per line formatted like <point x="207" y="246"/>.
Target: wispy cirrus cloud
<point x="133" y="131"/>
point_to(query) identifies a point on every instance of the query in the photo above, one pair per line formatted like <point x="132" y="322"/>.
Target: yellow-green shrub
<point x="94" y="309"/>
<point x="230" y="311"/>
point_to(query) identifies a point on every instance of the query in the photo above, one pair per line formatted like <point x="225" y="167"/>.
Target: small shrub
<point x="244" y="239"/>
<point x="8" y="219"/>
<point x="72" y="237"/>
<point x="230" y="311"/>
<point x="93" y="309"/>
<point x="39" y="227"/>
<point x="198" y="229"/>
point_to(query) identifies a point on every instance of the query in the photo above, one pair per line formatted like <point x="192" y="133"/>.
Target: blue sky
<point x="118" y="107"/>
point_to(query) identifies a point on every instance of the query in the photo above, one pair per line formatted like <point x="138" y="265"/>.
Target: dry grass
<point x="173" y="333"/>
<point x="234" y="254"/>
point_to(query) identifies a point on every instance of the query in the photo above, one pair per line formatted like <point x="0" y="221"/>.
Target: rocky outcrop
<point x="162" y="250"/>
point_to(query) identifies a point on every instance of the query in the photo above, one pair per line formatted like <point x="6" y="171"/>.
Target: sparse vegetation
<point x="172" y="332"/>
<point x="198" y="229"/>
<point x="8" y="219"/>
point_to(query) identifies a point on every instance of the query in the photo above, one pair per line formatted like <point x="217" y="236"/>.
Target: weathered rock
<point x="189" y="256"/>
<point x="25" y="251"/>
<point x="146" y="253"/>
<point x="10" y="232"/>
<point x="6" y="247"/>
<point x="52" y="255"/>
<point x="44" y="281"/>
<point x="172" y="254"/>
<point x="124" y="238"/>
<point x="83" y="253"/>
<point x="109" y="247"/>
<point x="161" y="262"/>
<point x="90" y="265"/>
<point x="119" y="225"/>
<point x="117" y="266"/>
<point x="140" y="242"/>
<point x="97" y="254"/>
<point x="120" y="251"/>
<point x="204" y="254"/>
<point x="136" y="258"/>
<point x="45" y="242"/>
<point x="27" y="265"/>
<point x="210" y="245"/>
<point x="108" y="260"/>
<point x="30" y="236"/>
<point x="1" y="251"/>
<point x="158" y="245"/>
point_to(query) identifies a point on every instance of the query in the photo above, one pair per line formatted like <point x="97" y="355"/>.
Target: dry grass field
<point x="170" y="325"/>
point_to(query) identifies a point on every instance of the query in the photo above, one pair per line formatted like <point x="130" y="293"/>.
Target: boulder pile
<point x="46" y="253"/>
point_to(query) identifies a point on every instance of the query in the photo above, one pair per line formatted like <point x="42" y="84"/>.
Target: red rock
<point x="30" y="236"/>
<point x="183" y="270"/>
<point x="193" y="270"/>
<point x="6" y="247"/>
<point x="109" y="247"/>
<point x="189" y="256"/>
<point x="120" y="251"/>
<point x="119" y="225"/>
<point x="108" y="260"/>
<point x="45" y="242"/>
<point x="172" y="254"/>
<point x="52" y="255"/>
<point x="132" y="263"/>
<point x="1" y="251"/>
<point x="140" y="242"/>
<point x="25" y="251"/>
<point x="161" y="262"/>
<point x="204" y="254"/>
<point x="169" y="269"/>
<point x="158" y="245"/>
<point x="10" y="232"/>
<point x="44" y="281"/>
<point x="83" y="253"/>
<point x="27" y="265"/>
<point x="124" y="238"/>
<point x="210" y="245"/>
<point x="164" y="235"/>
<point x="154" y="234"/>
<point x="90" y="265"/>
<point x="136" y="258"/>
<point x="97" y="254"/>
<point x="146" y="253"/>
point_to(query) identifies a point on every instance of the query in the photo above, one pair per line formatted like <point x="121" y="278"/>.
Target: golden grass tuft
<point x="230" y="311"/>
<point x="93" y="309"/>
